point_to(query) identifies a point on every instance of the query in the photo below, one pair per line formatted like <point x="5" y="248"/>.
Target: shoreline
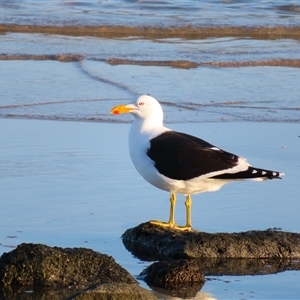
<point x="152" y="32"/>
<point x="180" y="64"/>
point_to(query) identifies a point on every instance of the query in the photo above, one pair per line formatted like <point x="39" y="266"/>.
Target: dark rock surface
<point x="164" y="273"/>
<point x="151" y="242"/>
<point x="36" y="271"/>
<point x="182" y="278"/>
<point x="40" y="265"/>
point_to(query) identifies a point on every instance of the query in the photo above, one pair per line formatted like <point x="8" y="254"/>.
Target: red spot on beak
<point x="116" y="112"/>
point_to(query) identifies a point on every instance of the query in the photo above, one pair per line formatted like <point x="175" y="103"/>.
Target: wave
<point x="185" y="64"/>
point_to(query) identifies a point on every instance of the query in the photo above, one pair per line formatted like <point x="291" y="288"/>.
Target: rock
<point x="115" y="291"/>
<point x="148" y="241"/>
<point x="163" y="273"/>
<point x="40" y="265"/>
<point x="181" y="278"/>
<point x="184" y="278"/>
<point x="62" y="273"/>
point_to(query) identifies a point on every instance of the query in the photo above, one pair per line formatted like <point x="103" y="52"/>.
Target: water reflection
<point x="22" y="293"/>
<point x="219" y="267"/>
<point x="184" y="294"/>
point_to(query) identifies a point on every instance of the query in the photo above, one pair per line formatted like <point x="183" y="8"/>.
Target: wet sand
<point x="152" y="32"/>
<point x="174" y="64"/>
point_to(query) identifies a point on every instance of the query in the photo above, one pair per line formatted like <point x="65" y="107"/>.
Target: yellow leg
<point x="188" y="206"/>
<point x="172" y="209"/>
<point x="171" y="222"/>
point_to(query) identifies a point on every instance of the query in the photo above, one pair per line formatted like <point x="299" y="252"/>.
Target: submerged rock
<point x="165" y="273"/>
<point x="182" y="278"/>
<point x="76" y="269"/>
<point x="186" y="256"/>
<point x="148" y="241"/>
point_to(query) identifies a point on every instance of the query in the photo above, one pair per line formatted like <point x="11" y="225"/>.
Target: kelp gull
<point x="178" y="162"/>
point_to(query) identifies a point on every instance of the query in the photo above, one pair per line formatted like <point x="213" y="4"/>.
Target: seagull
<point x="178" y="162"/>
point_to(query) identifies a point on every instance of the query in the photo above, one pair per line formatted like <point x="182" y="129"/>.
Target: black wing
<point x="181" y="156"/>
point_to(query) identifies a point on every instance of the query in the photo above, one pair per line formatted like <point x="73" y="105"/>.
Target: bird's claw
<point x="171" y="225"/>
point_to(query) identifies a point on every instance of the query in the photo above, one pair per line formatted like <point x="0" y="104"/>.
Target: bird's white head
<point x="145" y="107"/>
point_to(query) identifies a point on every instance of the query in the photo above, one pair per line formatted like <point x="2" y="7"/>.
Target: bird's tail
<point x="252" y="173"/>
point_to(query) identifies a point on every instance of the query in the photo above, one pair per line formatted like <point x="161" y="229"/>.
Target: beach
<point x="230" y="76"/>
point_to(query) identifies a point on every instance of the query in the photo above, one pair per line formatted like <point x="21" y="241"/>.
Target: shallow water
<point x="141" y="13"/>
<point x="87" y="90"/>
<point x="72" y="184"/>
<point x="226" y="71"/>
<point x="199" y="51"/>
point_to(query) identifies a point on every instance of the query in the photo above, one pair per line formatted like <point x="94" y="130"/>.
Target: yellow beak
<point x="120" y="109"/>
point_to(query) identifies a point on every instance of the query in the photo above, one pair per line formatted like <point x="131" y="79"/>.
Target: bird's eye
<point x="141" y="103"/>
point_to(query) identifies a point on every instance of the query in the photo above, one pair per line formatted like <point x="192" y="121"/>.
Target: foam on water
<point x="166" y="13"/>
